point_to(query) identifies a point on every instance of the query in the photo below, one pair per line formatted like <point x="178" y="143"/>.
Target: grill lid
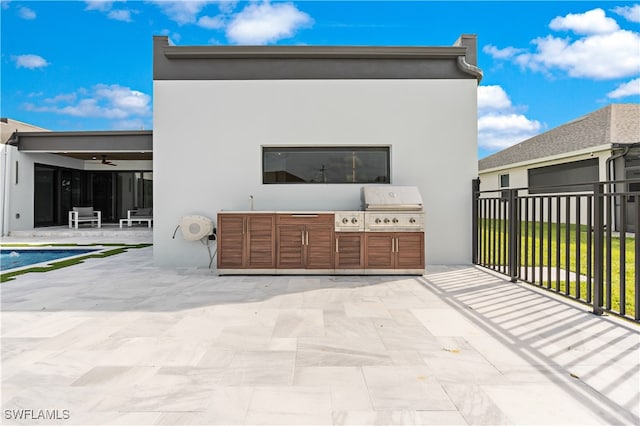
<point x="384" y="198"/>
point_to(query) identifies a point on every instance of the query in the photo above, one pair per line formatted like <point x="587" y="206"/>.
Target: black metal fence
<point x="583" y="245"/>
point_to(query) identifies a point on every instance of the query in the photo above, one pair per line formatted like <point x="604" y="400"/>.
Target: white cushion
<point x="84" y="211"/>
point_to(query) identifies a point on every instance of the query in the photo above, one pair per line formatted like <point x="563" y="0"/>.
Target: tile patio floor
<point x="118" y="341"/>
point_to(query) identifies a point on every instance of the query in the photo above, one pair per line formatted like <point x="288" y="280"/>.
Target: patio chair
<point x="139" y="216"/>
<point x="84" y="214"/>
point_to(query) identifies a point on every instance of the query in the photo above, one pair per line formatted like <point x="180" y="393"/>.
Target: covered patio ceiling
<point x="112" y="156"/>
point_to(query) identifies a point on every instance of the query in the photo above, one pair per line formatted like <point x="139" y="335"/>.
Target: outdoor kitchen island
<point x="340" y="242"/>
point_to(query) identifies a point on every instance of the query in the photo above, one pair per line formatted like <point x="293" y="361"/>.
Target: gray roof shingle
<point x="613" y="124"/>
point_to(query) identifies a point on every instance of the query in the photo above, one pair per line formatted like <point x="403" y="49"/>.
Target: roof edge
<point x="85" y="133"/>
<point x="545" y="159"/>
<point x="314" y="62"/>
<point x="318" y="52"/>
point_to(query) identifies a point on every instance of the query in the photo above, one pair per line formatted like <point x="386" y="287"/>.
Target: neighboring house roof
<point x="613" y="124"/>
<point x="9" y="126"/>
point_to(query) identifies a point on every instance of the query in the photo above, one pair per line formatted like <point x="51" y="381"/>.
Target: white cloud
<point x="102" y="101"/>
<point x="492" y="98"/>
<point x="182" y="12"/>
<point x="99" y="5"/>
<point x="499" y="131"/>
<point x="592" y="22"/>
<point x="135" y="124"/>
<point x="601" y="56"/>
<point x="506" y="53"/>
<point x="26" y="13"/>
<point x="630" y="13"/>
<point x="629" y="88"/>
<point x="120" y="15"/>
<point x="266" y="23"/>
<point x="130" y="101"/>
<point x="30" y="61"/>
<point x="211" y="22"/>
<point x="602" y="50"/>
<point x="106" y="7"/>
<point x="63" y="97"/>
<point x="499" y="125"/>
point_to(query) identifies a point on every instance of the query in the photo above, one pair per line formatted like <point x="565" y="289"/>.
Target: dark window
<point x="632" y="159"/>
<point x="325" y="165"/>
<point x="569" y="175"/>
<point x="504" y="183"/>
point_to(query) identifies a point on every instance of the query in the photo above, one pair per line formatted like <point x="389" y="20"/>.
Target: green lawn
<point x="532" y="241"/>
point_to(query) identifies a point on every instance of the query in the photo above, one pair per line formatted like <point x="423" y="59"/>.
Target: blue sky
<point x="79" y="65"/>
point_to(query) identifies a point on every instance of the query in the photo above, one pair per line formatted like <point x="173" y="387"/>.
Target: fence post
<point x="598" y="248"/>
<point x="514" y="225"/>
<point x="475" y="195"/>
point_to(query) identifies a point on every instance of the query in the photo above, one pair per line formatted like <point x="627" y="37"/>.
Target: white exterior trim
<point x="553" y="159"/>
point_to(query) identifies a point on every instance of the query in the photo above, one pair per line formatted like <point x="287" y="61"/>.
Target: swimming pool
<point x="17" y="258"/>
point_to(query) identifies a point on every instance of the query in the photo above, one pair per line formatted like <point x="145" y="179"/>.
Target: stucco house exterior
<point x="601" y="146"/>
<point x="45" y="174"/>
<point x="221" y="112"/>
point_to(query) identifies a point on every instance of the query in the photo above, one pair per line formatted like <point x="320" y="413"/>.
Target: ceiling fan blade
<point x="105" y="162"/>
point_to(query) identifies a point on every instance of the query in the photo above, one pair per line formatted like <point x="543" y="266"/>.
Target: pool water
<point x="17" y="258"/>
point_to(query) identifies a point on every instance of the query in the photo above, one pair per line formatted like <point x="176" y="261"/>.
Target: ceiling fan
<point x="105" y="161"/>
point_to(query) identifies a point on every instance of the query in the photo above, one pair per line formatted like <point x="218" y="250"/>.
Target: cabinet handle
<point x="244" y="226"/>
<point x="337" y="250"/>
<point x="397" y="245"/>
<point x="306" y="237"/>
<point x="304" y="215"/>
<point x="302" y="236"/>
<point x="393" y="245"/>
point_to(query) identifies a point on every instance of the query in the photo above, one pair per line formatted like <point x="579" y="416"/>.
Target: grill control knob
<point x="395" y="220"/>
<point x="412" y="220"/>
<point x="386" y="220"/>
<point x="354" y="220"/>
<point x="345" y="220"/>
<point x="377" y="220"/>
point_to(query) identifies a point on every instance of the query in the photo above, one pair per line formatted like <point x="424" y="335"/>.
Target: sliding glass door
<point x="58" y="190"/>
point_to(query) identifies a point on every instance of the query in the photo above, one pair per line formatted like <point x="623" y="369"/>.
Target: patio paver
<point x="119" y="341"/>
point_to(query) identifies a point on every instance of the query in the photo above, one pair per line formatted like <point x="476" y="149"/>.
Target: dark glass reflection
<point x="325" y="165"/>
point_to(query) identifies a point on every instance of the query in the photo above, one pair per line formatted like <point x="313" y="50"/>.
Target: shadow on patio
<point x="456" y="346"/>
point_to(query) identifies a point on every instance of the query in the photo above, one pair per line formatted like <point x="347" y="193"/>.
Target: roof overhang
<point x="315" y="62"/>
<point x="129" y="144"/>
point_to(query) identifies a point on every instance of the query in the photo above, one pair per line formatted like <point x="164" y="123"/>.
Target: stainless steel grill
<point x="396" y="198"/>
<point x="392" y="209"/>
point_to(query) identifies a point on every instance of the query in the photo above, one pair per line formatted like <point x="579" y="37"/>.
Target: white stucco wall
<point x="20" y="194"/>
<point x="208" y="137"/>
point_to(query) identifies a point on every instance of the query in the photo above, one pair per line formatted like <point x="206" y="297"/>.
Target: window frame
<point x="500" y="182"/>
<point x="265" y="149"/>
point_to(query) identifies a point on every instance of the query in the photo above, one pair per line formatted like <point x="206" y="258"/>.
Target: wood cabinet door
<point x="231" y="241"/>
<point x="291" y="243"/>
<point x="261" y="242"/>
<point x="319" y="246"/>
<point x="349" y="250"/>
<point x="379" y="250"/>
<point x="410" y="250"/>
